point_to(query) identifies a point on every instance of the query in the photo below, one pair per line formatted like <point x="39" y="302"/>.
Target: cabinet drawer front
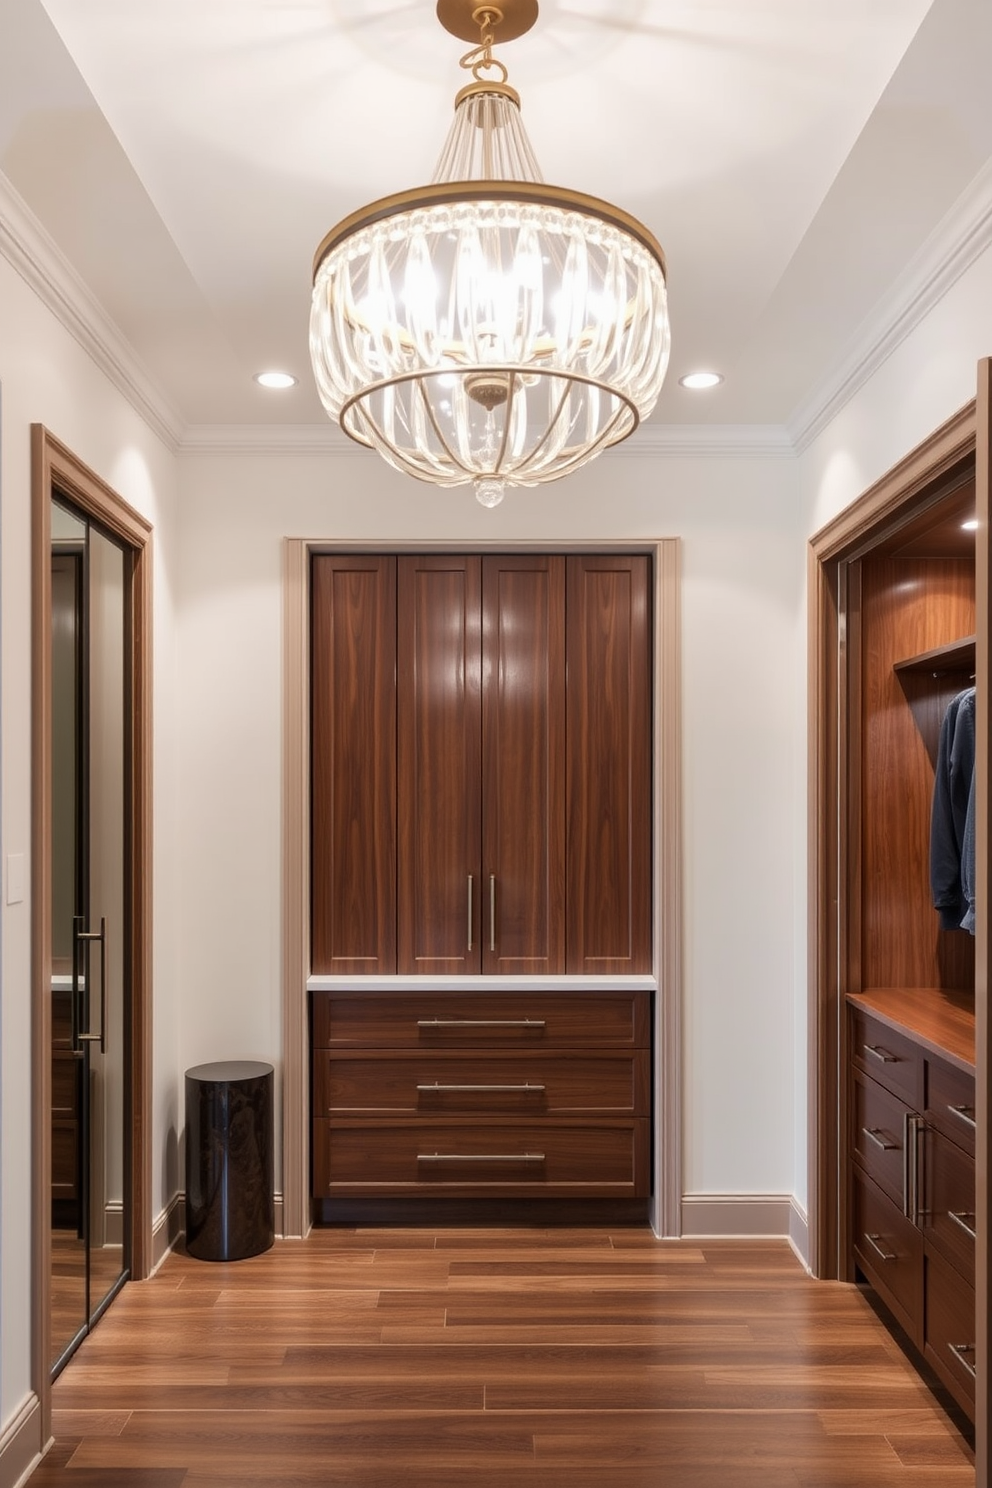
<point x="65" y="1084"/>
<point x="431" y="1019"/>
<point x="524" y="1083"/>
<point x="949" y="1207"/>
<point x="602" y="1159"/>
<point x="878" y="1135"/>
<point x="950" y="1329"/>
<point x="950" y="1103"/>
<point x="888" y="1057"/>
<point x="889" y="1251"/>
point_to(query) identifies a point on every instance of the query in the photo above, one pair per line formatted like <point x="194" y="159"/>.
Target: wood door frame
<point x="922" y="478"/>
<point x="54" y="468"/>
<point x="666" y="868"/>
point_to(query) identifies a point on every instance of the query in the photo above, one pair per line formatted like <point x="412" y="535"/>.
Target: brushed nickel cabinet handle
<point x="959" y="1350"/>
<point x="874" y="1135"/>
<point x="961" y="1220"/>
<point x="438" y="1089"/>
<point x="481" y="1157"/>
<point x="883" y="1255"/>
<point x="470" y="911"/>
<point x="877" y="1052"/>
<point x="912" y="1181"/>
<point x="481" y="1023"/>
<point x="492" y="911"/>
<point x="965" y="1114"/>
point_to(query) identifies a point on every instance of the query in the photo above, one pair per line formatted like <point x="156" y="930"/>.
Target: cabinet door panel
<point x="353" y="763"/>
<point x="523" y="722"/>
<point x="439" y="723"/>
<point x="608" y="788"/>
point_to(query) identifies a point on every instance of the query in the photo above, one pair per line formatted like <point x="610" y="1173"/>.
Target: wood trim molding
<point x="738" y="1216"/>
<point x="54" y="465"/>
<point x="667" y="1209"/>
<point x="295" y="888"/>
<point x="983" y="919"/>
<point x="925" y="465"/>
<point x="22" y="1444"/>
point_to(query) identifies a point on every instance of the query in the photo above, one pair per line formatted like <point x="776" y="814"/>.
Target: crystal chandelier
<point x="489" y="327"/>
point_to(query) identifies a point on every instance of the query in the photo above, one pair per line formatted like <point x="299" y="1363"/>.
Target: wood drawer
<point x="605" y="1159"/>
<point x="522" y="1083"/>
<point x="878" y="1135"/>
<point x="888" y="1057"/>
<point x="435" y="1019"/>
<point x="949" y="1202"/>
<point x="950" y="1103"/>
<point x="889" y="1250"/>
<point x="950" y="1329"/>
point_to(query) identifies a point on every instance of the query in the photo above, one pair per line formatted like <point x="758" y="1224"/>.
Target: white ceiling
<point x="795" y="159"/>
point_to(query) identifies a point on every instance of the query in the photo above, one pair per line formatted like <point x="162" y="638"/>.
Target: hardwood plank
<point x="367" y="1359"/>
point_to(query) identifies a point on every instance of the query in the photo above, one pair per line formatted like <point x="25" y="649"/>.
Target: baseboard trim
<point x="170" y="1227"/>
<point x="21" y="1447"/>
<point x="738" y="1216"/>
<point x="167" y="1230"/>
<point x="799" y="1231"/>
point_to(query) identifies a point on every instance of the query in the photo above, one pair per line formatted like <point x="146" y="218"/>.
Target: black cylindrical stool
<point x="230" y="1207"/>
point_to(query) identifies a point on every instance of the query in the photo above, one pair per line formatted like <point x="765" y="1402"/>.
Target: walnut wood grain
<point x="523" y="759"/>
<point x="439" y="763"/>
<point x="939" y="1021"/>
<point x="949" y="1203"/>
<point x="490" y="1020"/>
<point x="572" y="1358"/>
<point x="609" y="764"/>
<point x="908" y="606"/>
<point x="528" y="1082"/>
<point x="594" y="1157"/>
<point x="889" y="1250"/>
<point x="950" y="1329"/>
<point x="878" y="1135"/>
<point x="353" y="763"/>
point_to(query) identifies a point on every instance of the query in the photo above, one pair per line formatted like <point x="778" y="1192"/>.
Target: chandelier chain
<point x="480" y="59"/>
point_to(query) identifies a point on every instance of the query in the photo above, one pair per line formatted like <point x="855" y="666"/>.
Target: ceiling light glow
<point x="275" y="379"/>
<point x="697" y="381"/>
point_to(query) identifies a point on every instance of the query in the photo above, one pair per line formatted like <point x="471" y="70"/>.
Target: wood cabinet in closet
<point x="481" y="764"/>
<point x="909" y="1032"/>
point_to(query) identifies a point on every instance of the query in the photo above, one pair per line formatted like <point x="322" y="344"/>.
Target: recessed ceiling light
<point x="698" y="380"/>
<point x="971" y="525"/>
<point x="275" y="379"/>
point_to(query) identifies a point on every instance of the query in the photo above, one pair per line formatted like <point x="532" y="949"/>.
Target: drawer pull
<point x="961" y="1220"/>
<point x="874" y="1135"/>
<point x="883" y="1255"/>
<point x="959" y="1350"/>
<point x="877" y="1052"/>
<point x="965" y="1114"/>
<point x="483" y="1157"/>
<point x="481" y="1023"/>
<point x="437" y="1089"/>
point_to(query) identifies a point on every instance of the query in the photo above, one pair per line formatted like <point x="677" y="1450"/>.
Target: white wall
<point x="741" y="617"/>
<point x="47" y="378"/>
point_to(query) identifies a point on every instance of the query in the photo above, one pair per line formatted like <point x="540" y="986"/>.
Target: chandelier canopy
<point x="489" y="327"/>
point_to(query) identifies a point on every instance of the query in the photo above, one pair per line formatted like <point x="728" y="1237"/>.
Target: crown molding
<point x="955" y="244"/>
<point x="34" y="254"/>
<point x="650" y="442"/>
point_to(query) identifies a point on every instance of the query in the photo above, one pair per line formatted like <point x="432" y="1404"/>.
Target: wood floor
<point x="390" y="1358"/>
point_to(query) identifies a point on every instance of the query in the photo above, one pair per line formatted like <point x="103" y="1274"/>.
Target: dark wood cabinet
<point x="481" y="764"/>
<point x="608" y="784"/>
<point x="353" y="774"/>
<point x="516" y="1095"/>
<point x="480" y="718"/>
<point x="911" y="1126"/>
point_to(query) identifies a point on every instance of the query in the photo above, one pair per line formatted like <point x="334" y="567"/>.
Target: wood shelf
<point x="942" y="1021"/>
<point x="956" y="656"/>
